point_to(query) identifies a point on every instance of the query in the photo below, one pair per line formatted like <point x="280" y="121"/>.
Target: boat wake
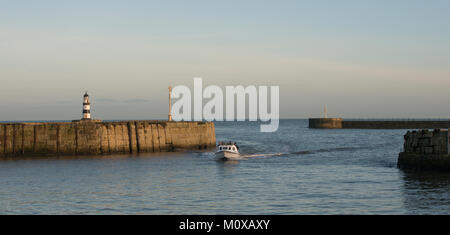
<point x="261" y="155"/>
<point x="212" y="155"/>
<point x="244" y="156"/>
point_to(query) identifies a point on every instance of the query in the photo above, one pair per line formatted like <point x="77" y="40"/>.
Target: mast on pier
<point x="170" y="103"/>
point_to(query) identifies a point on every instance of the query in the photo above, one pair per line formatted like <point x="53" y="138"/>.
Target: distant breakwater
<point x="94" y="138"/>
<point x="339" y="123"/>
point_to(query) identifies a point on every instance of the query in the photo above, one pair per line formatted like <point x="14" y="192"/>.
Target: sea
<point x="294" y="171"/>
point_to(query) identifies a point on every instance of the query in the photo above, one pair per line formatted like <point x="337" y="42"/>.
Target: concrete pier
<point x="325" y="123"/>
<point x="91" y="138"/>
<point x="425" y="150"/>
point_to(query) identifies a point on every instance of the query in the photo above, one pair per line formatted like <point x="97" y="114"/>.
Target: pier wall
<point x="426" y="150"/>
<point x="325" y="123"/>
<point x="92" y="138"/>
<point x="338" y="123"/>
<point x="395" y="124"/>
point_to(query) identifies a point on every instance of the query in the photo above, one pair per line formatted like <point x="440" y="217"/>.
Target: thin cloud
<point x="106" y="100"/>
<point x="111" y="100"/>
<point x="136" y="101"/>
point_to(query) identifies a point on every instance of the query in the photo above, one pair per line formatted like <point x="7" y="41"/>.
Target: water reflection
<point x="226" y="167"/>
<point x="426" y="192"/>
<point x="155" y="155"/>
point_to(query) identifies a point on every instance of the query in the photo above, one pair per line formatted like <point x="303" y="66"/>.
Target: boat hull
<point x="227" y="155"/>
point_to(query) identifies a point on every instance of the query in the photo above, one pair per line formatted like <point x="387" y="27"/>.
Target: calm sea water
<point x="293" y="171"/>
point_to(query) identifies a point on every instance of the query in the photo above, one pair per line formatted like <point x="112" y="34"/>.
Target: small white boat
<point x="227" y="151"/>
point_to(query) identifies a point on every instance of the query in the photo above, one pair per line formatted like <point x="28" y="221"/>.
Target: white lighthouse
<point x="86" y="107"/>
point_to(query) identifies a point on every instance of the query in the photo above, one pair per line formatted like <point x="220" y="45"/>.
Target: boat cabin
<point x="228" y="147"/>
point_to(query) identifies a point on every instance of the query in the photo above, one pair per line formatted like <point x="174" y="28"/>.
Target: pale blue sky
<point x="362" y="58"/>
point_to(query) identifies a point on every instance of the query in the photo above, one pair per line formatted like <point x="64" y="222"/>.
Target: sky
<point x="363" y="59"/>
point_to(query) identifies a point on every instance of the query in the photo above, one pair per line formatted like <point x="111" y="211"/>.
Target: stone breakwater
<point x="425" y="150"/>
<point x="339" y="123"/>
<point x="94" y="138"/>
<point x="325" y="123"/>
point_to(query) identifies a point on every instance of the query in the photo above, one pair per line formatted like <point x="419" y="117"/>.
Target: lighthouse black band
<point x="86" y="111"/>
